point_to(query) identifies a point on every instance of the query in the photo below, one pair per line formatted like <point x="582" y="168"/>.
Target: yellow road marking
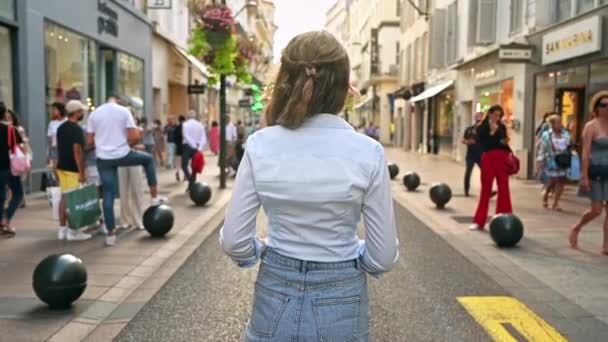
<point x="492" y="313"/>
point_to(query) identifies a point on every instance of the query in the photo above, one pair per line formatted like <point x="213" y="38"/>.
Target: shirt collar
<point x="326" y="121"/>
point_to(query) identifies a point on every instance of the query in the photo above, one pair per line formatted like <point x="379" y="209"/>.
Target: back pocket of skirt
<point x="268" y="309"/>
<point x="337" y="319"/>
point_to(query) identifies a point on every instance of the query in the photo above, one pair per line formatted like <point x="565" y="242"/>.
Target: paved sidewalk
<point x="114" y="273"/>
<point x="567" y="286"/>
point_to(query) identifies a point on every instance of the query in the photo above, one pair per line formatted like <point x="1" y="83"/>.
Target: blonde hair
<point x="313" y="79"/>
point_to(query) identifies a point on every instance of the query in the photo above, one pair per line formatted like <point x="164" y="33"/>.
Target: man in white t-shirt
<point x="231" y="132"/>
<point x="195" y="139"/>
<point x="112" y="130"/>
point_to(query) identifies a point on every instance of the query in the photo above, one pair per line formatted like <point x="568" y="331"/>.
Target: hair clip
<point x="310" y="71"/>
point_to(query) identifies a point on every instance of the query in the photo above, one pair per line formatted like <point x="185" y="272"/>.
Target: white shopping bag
<point x="54" y="195"/>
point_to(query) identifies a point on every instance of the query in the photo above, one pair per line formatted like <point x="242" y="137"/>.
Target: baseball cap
<point x="74" y="105"/>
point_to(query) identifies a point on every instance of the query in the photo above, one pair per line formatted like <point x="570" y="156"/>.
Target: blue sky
<point x="297" y="16"/>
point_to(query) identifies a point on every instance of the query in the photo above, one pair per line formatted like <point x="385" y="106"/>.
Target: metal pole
<point x="223" y="146"/>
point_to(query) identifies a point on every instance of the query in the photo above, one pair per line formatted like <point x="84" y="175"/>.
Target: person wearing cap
<point x="70" y="163"/>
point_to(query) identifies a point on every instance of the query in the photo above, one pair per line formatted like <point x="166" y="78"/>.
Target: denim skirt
<point x="296" y="300"/>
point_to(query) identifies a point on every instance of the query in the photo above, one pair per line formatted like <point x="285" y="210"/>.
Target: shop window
<point x="545" y="97"/>
<point x="131" y="79"/>
<point x="598" y="78"/>
<point x="571" y="87"/>
<point x="6" y="68"/>
<point x="585" y="5"/>
<point x="563" y="10"/>
<point x="498" y="94"/>
<point x="7" y="9"/>
<point x="70" y="66"/>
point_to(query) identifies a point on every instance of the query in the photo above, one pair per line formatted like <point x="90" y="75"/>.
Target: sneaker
<point x="159" y="200"/>
<point x="102" y="229"/>
<point x="77" y="235"/>
<point x="63" y="233"/>
<point x="474" y="226"/>
<point x="110" y="240"/>
<point x="140" y="227"/>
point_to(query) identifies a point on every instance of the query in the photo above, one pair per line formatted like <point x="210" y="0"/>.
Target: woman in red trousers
<point x="492" y="135"/>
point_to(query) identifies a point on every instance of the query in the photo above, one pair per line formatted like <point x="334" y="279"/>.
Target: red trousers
<point x="493" y="166"/>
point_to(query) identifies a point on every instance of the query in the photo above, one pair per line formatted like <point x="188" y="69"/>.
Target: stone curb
<point x="479" y="249"/>
<point x="95" y="317"/>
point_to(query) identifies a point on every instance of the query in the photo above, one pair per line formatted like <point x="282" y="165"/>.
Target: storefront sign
<point x="485" y="74"/>
<point x="197" y="89"/>
<point x="374" y="53"/>
<point x="159" y="4"/>
<point x="108" y="25"/>
<point x="509" y="54"/>
<point x="574" y="40"/>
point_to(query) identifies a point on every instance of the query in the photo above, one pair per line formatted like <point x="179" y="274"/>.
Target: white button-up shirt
<point x="314" y="183"/>
<point x="194" y="134"/>
<point x="231" y="132"/>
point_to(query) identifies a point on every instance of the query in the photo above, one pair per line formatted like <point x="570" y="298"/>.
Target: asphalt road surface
<point x="209" y="299"/>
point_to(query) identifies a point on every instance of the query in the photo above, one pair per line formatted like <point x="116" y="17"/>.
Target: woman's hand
<point x="263" y="240"/>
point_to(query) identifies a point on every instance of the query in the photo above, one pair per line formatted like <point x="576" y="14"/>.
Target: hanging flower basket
<point x="217" y="39"/>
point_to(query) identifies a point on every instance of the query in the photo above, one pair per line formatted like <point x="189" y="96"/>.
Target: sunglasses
<point x="602" y="105"/>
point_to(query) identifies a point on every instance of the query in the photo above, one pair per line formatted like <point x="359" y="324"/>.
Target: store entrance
<point x="571" y="106"/>
<point x="108" y="72"/>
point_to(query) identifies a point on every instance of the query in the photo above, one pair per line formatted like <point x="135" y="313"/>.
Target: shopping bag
<point x="20" y="164"/>
<point x="82" y="206"/>
<point x="54" y="195"/>
<point x="574" y="172"/>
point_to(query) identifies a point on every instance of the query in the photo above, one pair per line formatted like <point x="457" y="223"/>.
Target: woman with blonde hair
<point x="315" y="177"/>
<point x="554" y="157"/>
<point x="594" y="168"/>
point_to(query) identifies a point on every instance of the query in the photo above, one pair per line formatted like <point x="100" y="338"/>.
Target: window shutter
<point x="437" y="48"/>
<point x="451" y="34"/>
<point x="486" y="22"/>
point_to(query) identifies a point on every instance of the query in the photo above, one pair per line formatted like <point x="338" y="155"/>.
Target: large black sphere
<point x="411" y="180"/>
<point x="158" y="220"/>
<point x="59" y="280"/>
<point x="200" y="194"/>
<point x="440" y="194"/>
<point x="506" y="230"/>
<point x="393" y="170"/>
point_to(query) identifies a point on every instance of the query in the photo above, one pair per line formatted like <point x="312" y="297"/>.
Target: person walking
<point x="543" y="127"/>
<point x="159" y="143"/>
<point x="474" y="152"/>
<point x="148" y="139"/>
<point x="178" y="138"/>
<point x="13" y="120"/>
<point x="214" y="138"/>
<point x="195" y="139"/>
<point x="112" y="130"/>
<point x="594" y="168"/>
<point x="554" y="158"/>
<point x="58" y="114"/>
<point x="7" y="180"/>
<point x="315" y="177"/>
<point x="492" y="135"/>
<point x="169" y="132"/>
<point x="131" y="190"/>
<point x="71" y="169"/>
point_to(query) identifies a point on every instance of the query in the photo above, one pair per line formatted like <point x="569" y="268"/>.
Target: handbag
<point x="20" y="163"/>
<point x="512" y="164"/>
<point x="82" y="206"/>
<point x="563" y="160"/>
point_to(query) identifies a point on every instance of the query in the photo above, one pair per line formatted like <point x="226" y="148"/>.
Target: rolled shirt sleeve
<point x="237" y="236"/>
<point x="380" y="249"/>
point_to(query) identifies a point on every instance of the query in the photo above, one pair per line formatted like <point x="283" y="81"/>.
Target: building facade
<point x="373" y="45"/>
<point x="529" y="56"/>
<point x="49" y="54"/>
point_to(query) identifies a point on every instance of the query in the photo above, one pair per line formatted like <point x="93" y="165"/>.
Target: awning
<point x="194" y="61"/>
<point x="432" y="91"/>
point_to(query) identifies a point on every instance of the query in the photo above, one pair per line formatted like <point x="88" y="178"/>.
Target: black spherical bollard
<point x="506" y="230"/>
<point x="393" y="170"/>
<point x="158" y="220"/>
<point x="440" y="194"/>
<point x="411" y="180"/>
<point x="200" y="194"/>
<point x="59" y="280"/>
